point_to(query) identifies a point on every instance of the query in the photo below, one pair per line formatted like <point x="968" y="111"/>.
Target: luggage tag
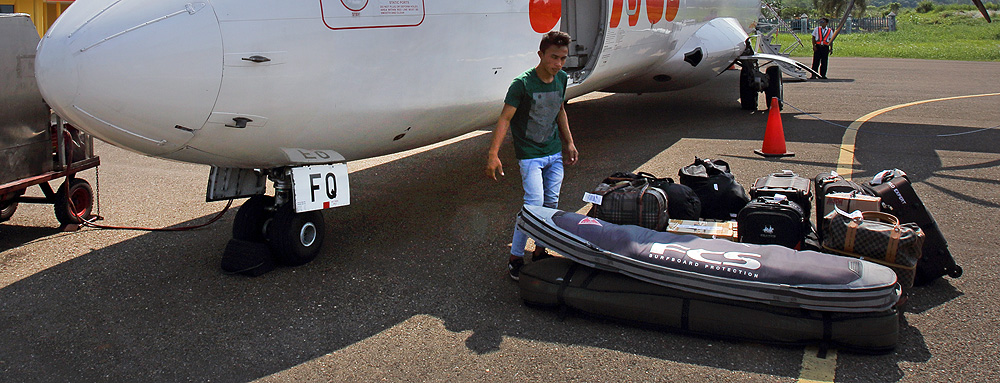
<point x="854" y="216"/>
<point x="830" y="178"/>
<point x="880" y="177"/>
<point x="595" y="199"/>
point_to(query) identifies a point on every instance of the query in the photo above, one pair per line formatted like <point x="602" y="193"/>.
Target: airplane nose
<point x="140" y="74"/>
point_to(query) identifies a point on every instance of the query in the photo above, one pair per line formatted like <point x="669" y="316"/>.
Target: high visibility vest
<point x="824" y="35"/>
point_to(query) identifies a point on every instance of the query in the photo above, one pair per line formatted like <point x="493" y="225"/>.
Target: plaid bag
<point x="877" y="237"/>
<point x="628" y="201"/>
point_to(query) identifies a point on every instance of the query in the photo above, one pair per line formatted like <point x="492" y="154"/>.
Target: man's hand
<point x="570" y="155"/>
<point x="493" y="166"/>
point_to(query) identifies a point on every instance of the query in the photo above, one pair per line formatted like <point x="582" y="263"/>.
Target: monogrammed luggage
<point x="829" y="183"/>
<point x="559" y="282"/>
<point x="767" y="274"/>
<point x="900" y="200"/>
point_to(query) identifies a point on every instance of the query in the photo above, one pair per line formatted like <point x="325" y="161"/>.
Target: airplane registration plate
<point x="320" y="187"/>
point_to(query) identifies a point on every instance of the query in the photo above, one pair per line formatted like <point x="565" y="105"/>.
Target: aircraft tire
<point x="748" y="96"/>
<point x="79" y="192"/>
<point x="252" y="219"/>
<point x="774" y="86"/>
<point x="295" y="238"/>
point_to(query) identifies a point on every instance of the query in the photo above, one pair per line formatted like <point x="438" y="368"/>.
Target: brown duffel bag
<point x="877" y="237"/>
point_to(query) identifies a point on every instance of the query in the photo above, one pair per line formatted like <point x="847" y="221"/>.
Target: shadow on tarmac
<point x="424" y="235"/>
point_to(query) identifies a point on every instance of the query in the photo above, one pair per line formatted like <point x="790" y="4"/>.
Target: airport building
<point x="43" y="12"/>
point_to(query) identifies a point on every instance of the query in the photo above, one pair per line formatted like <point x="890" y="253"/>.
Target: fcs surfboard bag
<point x="562" y="283"/>
<point x="767" y="274"/>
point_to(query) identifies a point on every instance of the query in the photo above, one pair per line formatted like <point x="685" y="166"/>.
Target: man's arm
<point x="493" y="164"/>
<point x="570" y="154"/>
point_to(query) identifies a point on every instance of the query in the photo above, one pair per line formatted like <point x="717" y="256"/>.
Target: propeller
<point x="982" y="9"/>
<point x="843" y="20"/>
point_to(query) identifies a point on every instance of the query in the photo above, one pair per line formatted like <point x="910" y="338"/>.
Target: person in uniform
<point x="822" y="37"/>
<point x="535" y="115"/>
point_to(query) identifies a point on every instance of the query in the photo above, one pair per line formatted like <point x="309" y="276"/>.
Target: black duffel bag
<point x="721" y="196"/>
<point x="682" y="201"/>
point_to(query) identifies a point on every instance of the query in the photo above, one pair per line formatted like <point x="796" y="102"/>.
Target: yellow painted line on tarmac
<point x="845" y="164"/>
<point x="815" y="369"/>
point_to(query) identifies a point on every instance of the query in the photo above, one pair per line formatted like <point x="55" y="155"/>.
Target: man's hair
<point x="557" y="38"/>
<point x="825" y="20"/>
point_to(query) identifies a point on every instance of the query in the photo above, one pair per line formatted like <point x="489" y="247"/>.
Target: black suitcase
<point x="795" y="188"/>
<point x="900" y="200"/>
<point x="773" y="221"/>
<point x="829" y="183"/>
<point x="558" y="282"/>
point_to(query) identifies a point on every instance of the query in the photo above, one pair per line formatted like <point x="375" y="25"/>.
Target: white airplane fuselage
<point x="361" y="78"/>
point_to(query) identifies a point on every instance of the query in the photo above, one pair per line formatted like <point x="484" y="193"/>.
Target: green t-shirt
<point x="534" y="127"/>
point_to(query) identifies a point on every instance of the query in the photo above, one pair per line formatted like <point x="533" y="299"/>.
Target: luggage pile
<point x="690" y="255"/>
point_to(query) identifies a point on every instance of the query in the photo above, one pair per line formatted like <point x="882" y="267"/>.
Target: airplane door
<point x="584" y="21"/>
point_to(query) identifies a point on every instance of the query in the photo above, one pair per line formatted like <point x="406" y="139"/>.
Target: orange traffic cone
<point x="774" y="136"/>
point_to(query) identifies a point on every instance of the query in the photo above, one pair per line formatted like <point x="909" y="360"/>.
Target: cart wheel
<point x="79" y="192"/>
<point x="295" y="238"/>
<point x="7" y="209"/>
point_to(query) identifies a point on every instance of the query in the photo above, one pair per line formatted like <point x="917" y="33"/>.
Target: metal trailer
<point x="36" y="146"/>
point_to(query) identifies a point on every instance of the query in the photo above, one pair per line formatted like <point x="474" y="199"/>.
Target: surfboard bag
<point x="562" y="283"/>
<point x="767" y="274"/>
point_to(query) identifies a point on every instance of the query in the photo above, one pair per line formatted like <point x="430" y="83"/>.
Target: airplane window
<point x="6" y="8"/>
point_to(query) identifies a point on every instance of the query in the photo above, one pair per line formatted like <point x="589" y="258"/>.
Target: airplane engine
<point x="706" y="54"/>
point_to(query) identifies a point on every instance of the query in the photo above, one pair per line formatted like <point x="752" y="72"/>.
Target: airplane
<point x="291" y="91"/>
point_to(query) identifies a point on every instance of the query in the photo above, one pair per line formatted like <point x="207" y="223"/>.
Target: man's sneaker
<point x="539" y="254"/>
<point x="514" y="267"/>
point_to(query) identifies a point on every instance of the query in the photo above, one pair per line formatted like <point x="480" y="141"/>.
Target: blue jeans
<point x="541" y="179"/>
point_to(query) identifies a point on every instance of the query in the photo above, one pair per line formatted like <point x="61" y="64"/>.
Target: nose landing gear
<point x="752" y="82"/>
<point x="269" y="226"/>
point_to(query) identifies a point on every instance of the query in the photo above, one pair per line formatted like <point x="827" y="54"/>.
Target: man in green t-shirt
<point x="534" y="113"/>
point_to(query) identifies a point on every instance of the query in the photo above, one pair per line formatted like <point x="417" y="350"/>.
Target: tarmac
<point x="411" y="284"/>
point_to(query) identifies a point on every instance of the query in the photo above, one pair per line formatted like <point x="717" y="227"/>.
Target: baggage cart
<point x="36" y="146"/>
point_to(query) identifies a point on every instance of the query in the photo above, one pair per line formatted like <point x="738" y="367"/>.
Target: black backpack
<point x="721" y="196"/>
